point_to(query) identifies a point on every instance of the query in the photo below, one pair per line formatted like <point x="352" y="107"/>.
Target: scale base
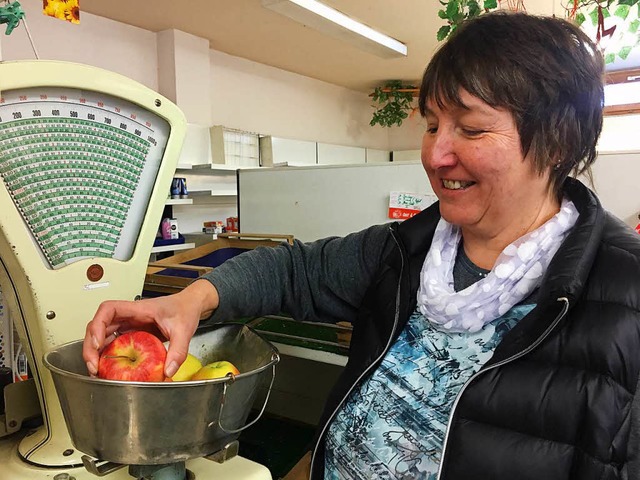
<point x="237" y="468"/>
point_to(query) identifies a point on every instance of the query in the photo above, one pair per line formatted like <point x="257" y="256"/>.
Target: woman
<point x="496" y="334"/>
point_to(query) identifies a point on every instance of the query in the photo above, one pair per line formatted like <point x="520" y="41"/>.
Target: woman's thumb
<point x="177" y="353"/>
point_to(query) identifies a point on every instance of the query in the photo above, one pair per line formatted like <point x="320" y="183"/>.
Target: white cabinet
<point x="329" y="154"/>
<point x="275" y="151"/>
<point x="377" y="156"/>
<point x="406" y="155"/>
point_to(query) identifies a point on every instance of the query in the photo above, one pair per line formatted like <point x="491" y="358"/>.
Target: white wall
<point x="617" y="169"/>
<point x="620" y="134"/>
<point x="615" y="178"/>
<point x="183" y="61"/>
<point x="262" y="99"/>
<point x="96" y="41"/>
<point x="244" y="94"/>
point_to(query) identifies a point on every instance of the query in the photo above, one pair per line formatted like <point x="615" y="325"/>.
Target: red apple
<point x="133" y="356"/>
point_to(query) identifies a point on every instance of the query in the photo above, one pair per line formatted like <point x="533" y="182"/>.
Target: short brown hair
<point x="544" y="70"/>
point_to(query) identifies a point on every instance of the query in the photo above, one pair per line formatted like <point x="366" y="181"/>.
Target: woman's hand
<point x="175" y="316"/>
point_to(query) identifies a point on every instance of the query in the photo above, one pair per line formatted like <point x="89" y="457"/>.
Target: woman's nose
<point x="438" y="150"/>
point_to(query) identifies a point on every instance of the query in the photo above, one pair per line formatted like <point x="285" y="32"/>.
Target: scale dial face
<point x="80" y="166"/>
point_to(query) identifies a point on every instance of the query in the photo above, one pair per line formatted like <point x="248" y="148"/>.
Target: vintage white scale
<point x="86" y="161"/>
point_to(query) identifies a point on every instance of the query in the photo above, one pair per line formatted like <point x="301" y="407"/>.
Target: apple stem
<point x="119" y="356"/>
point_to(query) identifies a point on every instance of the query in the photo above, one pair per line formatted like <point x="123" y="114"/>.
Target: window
<point x="622" y="92"/>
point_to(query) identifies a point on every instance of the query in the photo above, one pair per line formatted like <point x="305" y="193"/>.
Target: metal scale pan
<point x="138" y="423"/>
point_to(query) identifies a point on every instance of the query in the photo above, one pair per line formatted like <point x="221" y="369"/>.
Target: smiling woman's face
<point x="476" y="168"/>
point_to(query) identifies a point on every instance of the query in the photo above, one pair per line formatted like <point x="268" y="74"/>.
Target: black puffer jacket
<point x="556" y="401"/>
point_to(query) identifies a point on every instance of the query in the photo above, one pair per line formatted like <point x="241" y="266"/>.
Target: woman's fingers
<point x="110" y="316"/>
<point x="175" y="317"/>
<point x="178" y="348"/>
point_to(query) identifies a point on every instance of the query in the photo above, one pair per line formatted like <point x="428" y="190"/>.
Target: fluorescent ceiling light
<point x="332" y="22"/>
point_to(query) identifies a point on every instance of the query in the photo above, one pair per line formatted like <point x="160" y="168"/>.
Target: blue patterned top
<point x="393" y="425"/>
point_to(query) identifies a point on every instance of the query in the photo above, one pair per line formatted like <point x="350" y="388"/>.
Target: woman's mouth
<point x="456" y="184"/>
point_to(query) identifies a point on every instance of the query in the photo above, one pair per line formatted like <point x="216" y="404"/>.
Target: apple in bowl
<point x="218" y="369"/>
<point x="188" y="369"/>
<point x="136" y="356"/>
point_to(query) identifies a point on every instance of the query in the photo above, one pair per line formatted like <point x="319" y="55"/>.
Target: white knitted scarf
<point x="517" y="272"/>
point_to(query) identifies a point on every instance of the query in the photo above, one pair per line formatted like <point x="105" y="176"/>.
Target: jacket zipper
<point x="540" y="339"/>
<point x="375" y="362"/>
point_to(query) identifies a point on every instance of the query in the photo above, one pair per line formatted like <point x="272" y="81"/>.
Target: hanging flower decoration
<point x="614" y="24"/>
<point x="68" y="10"/>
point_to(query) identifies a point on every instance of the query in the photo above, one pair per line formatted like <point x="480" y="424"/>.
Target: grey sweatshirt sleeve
<point x="320" y="281"/>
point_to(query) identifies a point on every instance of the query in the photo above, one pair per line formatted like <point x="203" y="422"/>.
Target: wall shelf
<point x="212" y="194"/>
<point x="171" y="248"/>
<point x="179" y="201"/>
<point x="210" y="168"/>
<point x="199" y="233"/>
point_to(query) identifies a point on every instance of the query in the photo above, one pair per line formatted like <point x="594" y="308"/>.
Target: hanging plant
<point x="394" y="103"/>
<point x="457" y="11"/>
<point x="613" y="24"/>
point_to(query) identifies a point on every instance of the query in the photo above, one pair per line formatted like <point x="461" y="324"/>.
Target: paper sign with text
<point x="403" y="205"/>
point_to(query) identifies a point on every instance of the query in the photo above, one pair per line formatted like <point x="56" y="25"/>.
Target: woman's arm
<point x="323" y="280"/>
<point x="320" y="281"/>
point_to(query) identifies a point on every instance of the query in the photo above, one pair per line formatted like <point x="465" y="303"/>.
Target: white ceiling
<point x="245" y="29"/>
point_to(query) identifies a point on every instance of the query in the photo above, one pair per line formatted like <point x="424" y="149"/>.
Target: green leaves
<point x="594" y="14"/>
<point x="622" y="11"/>
<point x="453" y="10"/>
<point x="474" y="8"/>
<point x="457" y="11"/>
<point x="394" y="105"/>
<point x="624" y="52"/>
<point x="443" y="32"/>
<point x="619" y="30"/>
<point x="620" y="19"/>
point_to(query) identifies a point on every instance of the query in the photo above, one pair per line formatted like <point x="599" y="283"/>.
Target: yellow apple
<point x="188" y="368"/>
<point x="215" y="370"/>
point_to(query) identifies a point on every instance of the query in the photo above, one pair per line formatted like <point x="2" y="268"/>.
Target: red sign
<point x="402" y="213"/>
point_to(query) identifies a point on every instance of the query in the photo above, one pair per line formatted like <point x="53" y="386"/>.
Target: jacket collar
<point x="569" y="270"/>
<point x="566" y="275"/>
<point x="417" y="232"/>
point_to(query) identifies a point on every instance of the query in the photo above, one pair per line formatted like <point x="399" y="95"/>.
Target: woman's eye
<point x="432" y="129"/>
<point x="470" y="132"/>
